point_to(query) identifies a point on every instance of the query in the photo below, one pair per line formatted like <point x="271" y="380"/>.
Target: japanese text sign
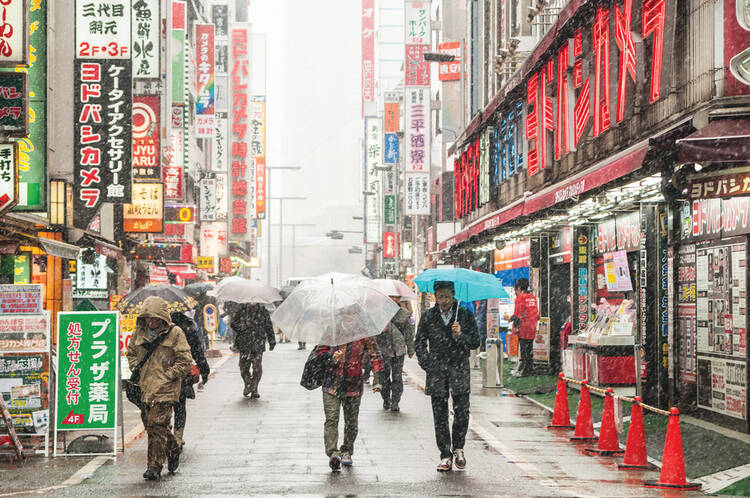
<point x="417" y="130"/>
<point x="368" y="53"/>
<point x="389" y="244"/>
<point x="24" y="333"/>
<point x="14" y="32"/>
<point x="242" y="181"/>
<point x="103" y="29"/>
<point x="208" y="199"/>
<point x="373" y="161"/>
<point x="146" y="152"/>
<point x="205" y="81"/>
<point x="8" y="177"/>
<point x="416" y="69"/>
<point x="717" y="186"/>
<point x="448" y="71"/>
<point x="258" y="148"/>
<point x="417" y="194"/>
<point x="173" y="171"/>
<point x="87" y="370"/>
<point x="14" y="108"/>
<point x="391" y="149"/>
<point x="146" y="213"/>
<point x="102" y="116"/>
<point x="146" y="31"/>
<point x="20" y="298"/>
<point x="417" y="28"/>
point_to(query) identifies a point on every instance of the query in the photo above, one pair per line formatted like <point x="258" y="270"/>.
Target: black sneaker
<point x="152" y="474"/>
<point x="246" y="391"/>
<point x="335" y="462"/>
<point x="394" y="407"/>
<point x="386" y="405"/>
<point x="173" y="461"/>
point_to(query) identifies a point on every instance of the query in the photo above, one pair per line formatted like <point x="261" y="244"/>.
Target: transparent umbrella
<point x="242" y="290"/>
<point x="393" y="287"/>
<point x="332" y="313"/>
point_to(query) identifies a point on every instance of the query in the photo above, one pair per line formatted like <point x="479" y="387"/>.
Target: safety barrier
<point x="672" y="474"/>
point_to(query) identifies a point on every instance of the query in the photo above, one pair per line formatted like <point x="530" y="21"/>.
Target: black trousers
<point x="392" y="380"/>
<point x="443" y="435"/>
<point x="527" y="356"/>
<point x="180" y="413"/>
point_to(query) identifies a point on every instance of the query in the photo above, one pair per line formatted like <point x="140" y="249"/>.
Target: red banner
<point x="417" y="71"/>
<point x="448" y="71"/>
<point x="368" y="52"/>
<point x="389" y="244"/>
<point x="146" y="138"/>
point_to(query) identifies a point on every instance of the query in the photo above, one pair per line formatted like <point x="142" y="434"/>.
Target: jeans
<point x="251" y="369"/>
<point x="392" y="380"/>
<point x="460" y="423"/>
<point x="527" y="356"/>
<point x="332" y="408"/>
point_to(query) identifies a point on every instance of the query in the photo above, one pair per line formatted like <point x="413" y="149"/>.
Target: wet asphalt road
<point x="274" y="445"/>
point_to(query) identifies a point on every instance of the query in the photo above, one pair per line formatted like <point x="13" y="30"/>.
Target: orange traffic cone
<point x="561" y="415"/>
<point x="608" y="442"/>
<point x="673" y="465"/>
<point x="635" y="450"/>
<point x="584" y="422"/>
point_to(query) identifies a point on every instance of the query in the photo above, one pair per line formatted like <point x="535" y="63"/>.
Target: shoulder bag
<point x="132" y="389"/>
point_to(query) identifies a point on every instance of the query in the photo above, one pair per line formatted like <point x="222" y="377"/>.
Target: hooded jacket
<point x="161" y="376"/>
<point x="398" y="337"/>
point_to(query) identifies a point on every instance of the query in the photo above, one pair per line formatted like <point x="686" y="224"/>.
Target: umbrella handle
<point x="458" y="305"/>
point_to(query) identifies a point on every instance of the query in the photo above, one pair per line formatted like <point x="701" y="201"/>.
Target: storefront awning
<point x="600" y="174"/>
<point x="59" y="249"/>
<point x="721" y="141"/>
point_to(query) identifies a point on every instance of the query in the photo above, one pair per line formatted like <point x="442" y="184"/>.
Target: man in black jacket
<point x="252" y="328"/>
<point x="446" y="335"/>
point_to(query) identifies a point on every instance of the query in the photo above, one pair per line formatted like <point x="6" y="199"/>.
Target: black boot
<point x="152" y="474"/>
<point x="173" y="461"/>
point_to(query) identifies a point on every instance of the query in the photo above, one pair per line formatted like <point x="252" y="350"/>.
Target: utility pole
<point x="268" y="209"/>
<point x="281" y="233"/>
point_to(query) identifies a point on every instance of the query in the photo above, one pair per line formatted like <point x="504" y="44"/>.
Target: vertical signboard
<point x="146" y="37"/>
<point x="102" y="113"/>
<point x="581" y="278"/>
<point x="449" y="71"/>
<point x="8" y="177"/>
<point x="417" y="28"/>
<point x="258" y="150"/>
<point x="222" y="196"/>
<point x="146" y="149"/>
<point x="368" y="53"/>
<point x="417" y="194"/>
<point x="373" y="161"/>
<point x="242" y="199"/>
<point x="14" y="118"/>
<point x="389" y="244"/>
<point x="219" y="152"/>
<point x="177" y="57"/>
<point x="87" y="380"/>
<point x="32" y="149"/>
<point x="103" y="29"/>
<point x="208" y="199"/>
<point x="417" y="129"/>
<point x="146" y="213"/>
<point x="173" y="172"/>
<point x="205" y="77"/>
<point x="14" y="35"/>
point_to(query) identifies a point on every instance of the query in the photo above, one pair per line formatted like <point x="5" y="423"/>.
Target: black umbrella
<point x="198" y="288"/>
<point x="176" y="298"/>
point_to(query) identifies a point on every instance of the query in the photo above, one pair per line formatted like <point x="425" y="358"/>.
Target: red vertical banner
<point x="258" y="152"/>
<point x="368" y="53"/>
<point x="389" y="244"/>
<point x="241" y="191"/>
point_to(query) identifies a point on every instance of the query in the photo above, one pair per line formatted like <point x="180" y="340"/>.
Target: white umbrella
<point x="242" y="290"/>
<point x="334" y="313"/>
<point x="395" y="288"/>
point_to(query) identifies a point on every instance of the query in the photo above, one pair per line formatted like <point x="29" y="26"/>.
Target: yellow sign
<point x="206" y="262"/>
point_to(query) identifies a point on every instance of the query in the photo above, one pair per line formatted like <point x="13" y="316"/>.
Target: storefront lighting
<point x="57" y="198"/>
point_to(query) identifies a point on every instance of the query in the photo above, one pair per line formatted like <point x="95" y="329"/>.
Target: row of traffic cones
<point x="673" y="465"/>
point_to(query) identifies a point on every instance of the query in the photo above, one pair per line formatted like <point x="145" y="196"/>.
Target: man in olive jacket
<point x="160" y="380"/>
<point x="443" y="346"/>
<point x="394" y="342"/>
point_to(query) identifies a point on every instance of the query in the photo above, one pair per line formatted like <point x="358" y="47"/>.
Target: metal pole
<point x="270" y="230"/>
<point x="294" y="250"/>
<point x="281" y="238"/>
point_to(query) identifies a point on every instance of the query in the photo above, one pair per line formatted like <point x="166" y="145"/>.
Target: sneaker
<point x="152" y="474"/>
<point x="246" y="391"/>
<point x="460" y="459"/>
<point x="346" y="459"/>
<point x="386" y="405"/>
<point x="445" y="465"/>
<point x="255" y="395"/>
<point x="394" y="407"/>
<point x="335" y="462"/>
<point x="173" y="461"/>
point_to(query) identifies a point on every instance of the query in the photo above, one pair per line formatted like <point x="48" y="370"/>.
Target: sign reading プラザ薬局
<point x="87" y="372"/>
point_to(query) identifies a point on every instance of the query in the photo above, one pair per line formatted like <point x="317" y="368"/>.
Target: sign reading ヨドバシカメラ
<point x="87" y="372"/>
<point x="242" y="190"/>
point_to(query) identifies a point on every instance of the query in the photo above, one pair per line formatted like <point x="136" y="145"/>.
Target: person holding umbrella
<point x="446" y="334"/>
<point x="394" y="342"/>
<point x="252" y="326"/>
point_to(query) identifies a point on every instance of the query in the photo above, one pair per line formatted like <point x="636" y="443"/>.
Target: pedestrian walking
<point x="188" y="327"/>
<point x="394" y="342"/>
<point x="525" y="318"/>
<point x="159" y="350"/>
<point x="252" y="326"/>
<point x="445" y="336"/>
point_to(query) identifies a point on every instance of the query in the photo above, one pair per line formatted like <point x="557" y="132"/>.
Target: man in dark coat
<point x="394" y="342"/>
<point x="252" y="327"/>
<point x="445" y="336"/>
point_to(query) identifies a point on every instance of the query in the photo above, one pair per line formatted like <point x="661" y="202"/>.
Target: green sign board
<point x="88" y="348"/>
<point x="32" y="148"/>
<point x="14" y="117"/>
<point x="390" y="209"/>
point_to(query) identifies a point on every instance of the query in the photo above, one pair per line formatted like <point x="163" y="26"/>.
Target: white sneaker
<point x="445" y="465"/>
<point x="459" y="459"/>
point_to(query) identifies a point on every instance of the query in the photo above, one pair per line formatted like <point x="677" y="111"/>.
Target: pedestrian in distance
<point x="525" y="318"/>
<point x="252" y="326"/>
<point x="446" y="335"/>
<point x="188" y="327"/>
<point x="166" y="352"/>
<point x="342" y="389"/>
<point x="394" y="342"/>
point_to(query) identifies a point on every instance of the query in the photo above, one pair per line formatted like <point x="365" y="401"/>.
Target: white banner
<point x="222" y="196"/>
<point x="417" y="27"/>
<point x="373" y="160"/>
<point x="417" y="194"/>
<point x="208" y="199"/>
<point x="417" y="129"/>
<point x="103" y="29"/>
<point x="146" y="27"/>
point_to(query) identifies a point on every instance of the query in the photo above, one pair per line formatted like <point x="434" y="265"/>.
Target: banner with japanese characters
<point x="417" y="129"/>
<point x="373" y="161"/>
<point x="146" y="213"/>
<point x="205" y="78"/>
<point x="242" y="175"/>
<point x="146" y="150"/>
<point x="146" y="30"/>
<point x="417" y="194"/>
<point x="14" y="106"/>
<point x="102" y="115"/>
<point x="103" y="29"/>
<point x="417" y="29"/>
<point x="87" y="370"/>
<point x="258" y="148"/>
<point x="368" y="54"/>
<point x="208" y="199"/>
<point x="173" y="171"/>
<point x="8" y="177"/>
<point x="219" y="152"/>
<point x="14" y="35"/>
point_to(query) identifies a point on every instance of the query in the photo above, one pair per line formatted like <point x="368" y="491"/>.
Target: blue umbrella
<point x="469" y="285"/>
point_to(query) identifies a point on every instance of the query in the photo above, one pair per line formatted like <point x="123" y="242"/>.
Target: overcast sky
<point x="313" y="93"/>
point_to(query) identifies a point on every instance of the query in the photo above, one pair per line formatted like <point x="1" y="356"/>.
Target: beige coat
<point x="161" y="376"/>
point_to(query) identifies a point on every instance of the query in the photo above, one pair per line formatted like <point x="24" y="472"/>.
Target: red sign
<point x="368" y="52"/>
<point x="146" y="138"/>
<point x="225" y="265"/>
<point x="391" y="117"/>
<point x="736" y="40"/>
<point x="389" y="244"/>
<point x="204" y="48"/>
<point x="260" y="186"/>
<point x="448" y="71"/>
<point x="241" y="191"/>
<point x="417" y="70"/>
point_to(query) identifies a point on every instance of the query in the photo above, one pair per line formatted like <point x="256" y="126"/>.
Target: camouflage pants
<point x="157" y="419"/>
<point x="251" y="369"/>
<point x="332" y="408"/>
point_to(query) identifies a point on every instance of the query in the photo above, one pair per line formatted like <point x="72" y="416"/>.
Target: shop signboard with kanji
<point x="14" y="32"/>
<point x="22" y="333"/>
<point x="722" y="386"/>
<point x="173" y="171"/>
<point x="8" y="177"/>
<point x="389" y="244"/>
<point x="219" y="152"/>
<point x="102" y="114"/>
<point x="373" y="161"/>
<point x="417" y="194"/>
<point x="417" y="27"/>
<point x="205" y="79"/>
<point x="92" y="276"/>
<point x="449" y="71"/>
<point x="14" y="106"/>
<point x="416" y="69"/>
<point x="368" y="53"/>
<point x="146" y="30"/>
<point x="389" y="209"/>
<point x="20" y="298"/>
<point x="146" y="151"/>
<point x="103" y="29"/>
<point x="258" y="152"/>
<point x="87" y="370"/>
<point x="208" y="199"/>
<point x="717" y="185"/>
<point x="242" y="181"/>
<point x="417" y="129"/>
<point x="146" y="213"/>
